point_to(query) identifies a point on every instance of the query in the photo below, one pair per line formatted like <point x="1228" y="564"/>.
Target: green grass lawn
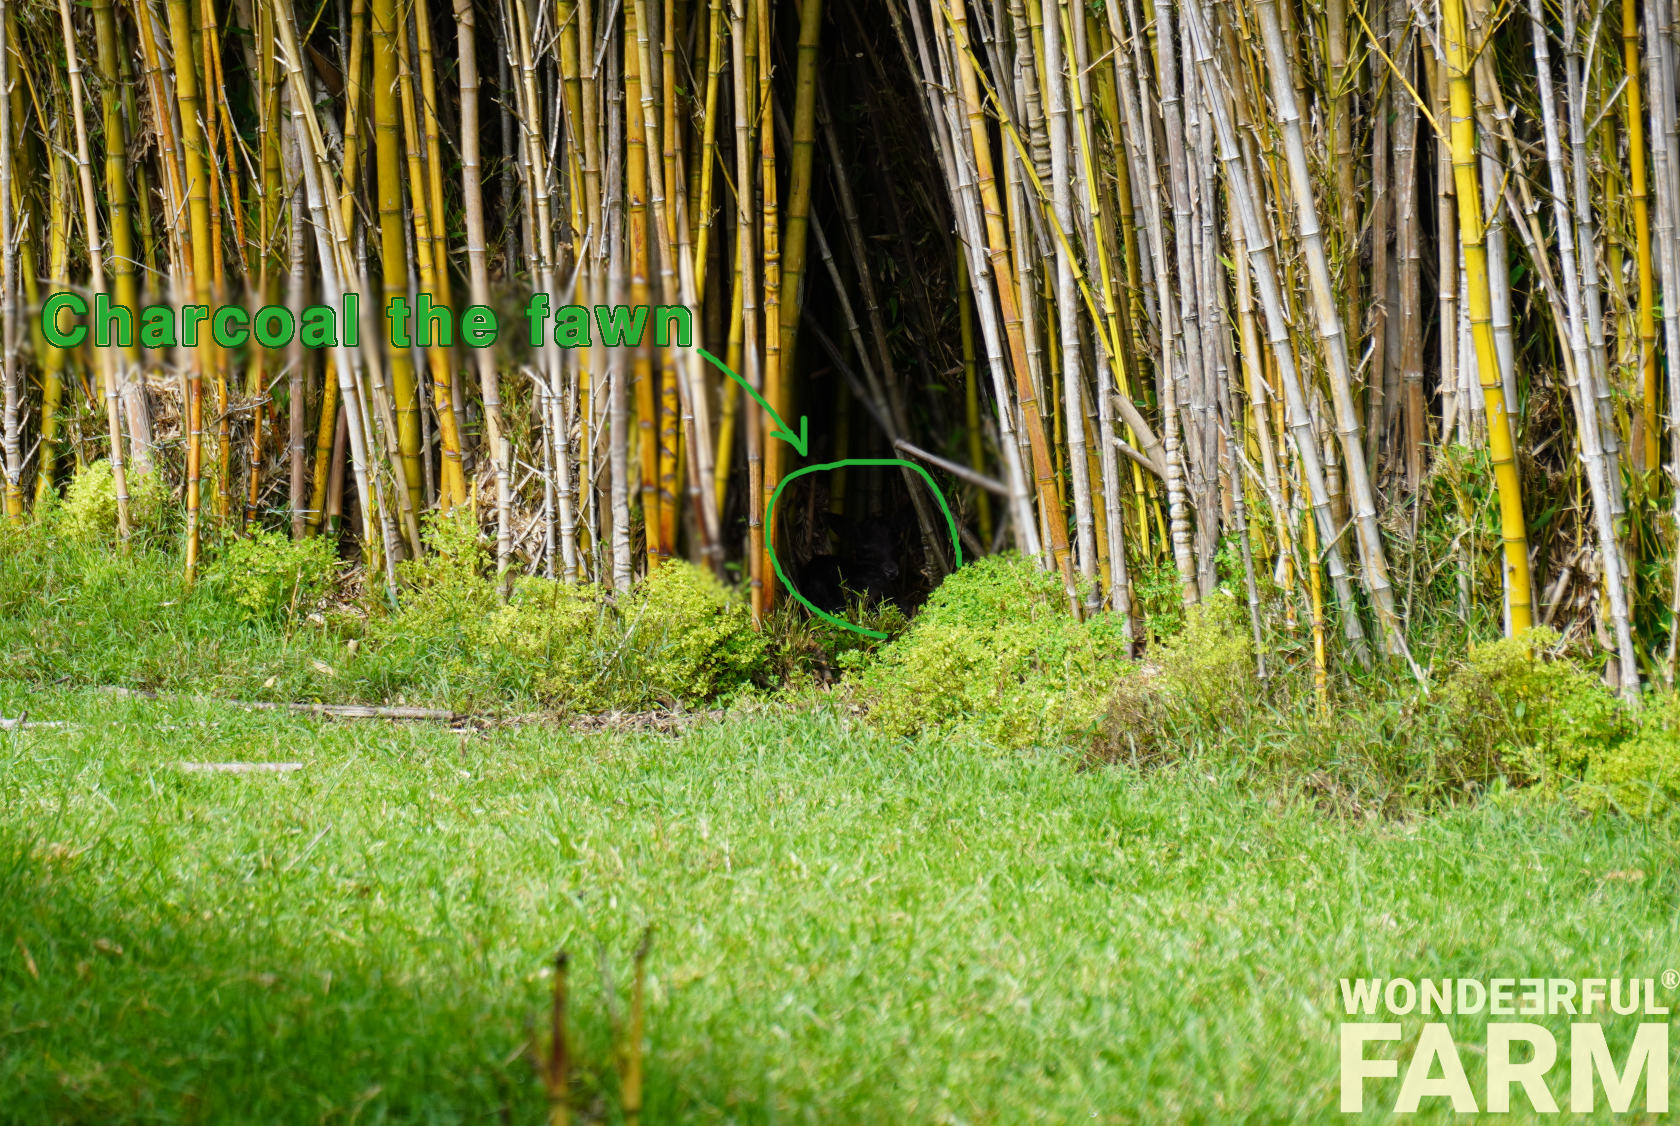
<point x="848" y="929"/>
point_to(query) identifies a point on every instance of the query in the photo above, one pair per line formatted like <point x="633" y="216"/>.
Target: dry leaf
<point x="28" y="960"/>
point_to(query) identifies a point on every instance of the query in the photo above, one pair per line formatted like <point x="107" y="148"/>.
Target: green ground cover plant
<point x="995" y="653"/>
<point x="275" y="619"/>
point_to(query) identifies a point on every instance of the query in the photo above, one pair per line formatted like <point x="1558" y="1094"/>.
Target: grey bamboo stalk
<point x="678" y="283"/>
<point x="925" y="517"/>
<point x="1586" y="242"/>
<point x="1184" y="372"/>
<point x="1381" y="391"/>
<point x="1664" y="158"/>
<point x="478" y="276"/>
<point x="969" y="75"/>
<point x="1261" y="261"/>
<point x="333" y="251"/>
<point x="596" y="253"/>
<point x="1447" y="264"/>
<point x="1239" y="517"/>
<point x="1067" y="310"/>
<point x="1499" y="274"/>
<point x="944" y="117"/>
<point x="1599" y="465"/>
<point x="745" y="201"/>
<point x="1329" y="320"/>
<point x="1408" y="249"/>
<point x="1258" y="391"/>
<point x="1204" y="242"/>
<point x="296" y="278"/>
<point x="1112" y="384"/>
<point x="618" y="400"/>
<point x="1135" y="91"/>
<point x="538" y="178"/>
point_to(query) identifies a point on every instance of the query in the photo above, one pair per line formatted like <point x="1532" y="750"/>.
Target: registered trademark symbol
<point x="1671" y="979"/>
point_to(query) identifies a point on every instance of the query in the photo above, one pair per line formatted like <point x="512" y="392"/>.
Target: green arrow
<point x="800" y="442"/>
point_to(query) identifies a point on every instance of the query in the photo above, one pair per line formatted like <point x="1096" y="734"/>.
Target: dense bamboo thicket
<point x="1367" y="308"/>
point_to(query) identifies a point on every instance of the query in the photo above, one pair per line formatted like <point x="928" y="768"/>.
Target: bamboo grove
<point x="1154" y="286"/>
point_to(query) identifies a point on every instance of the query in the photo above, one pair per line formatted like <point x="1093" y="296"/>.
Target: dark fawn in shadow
<point x="864" y="564"/>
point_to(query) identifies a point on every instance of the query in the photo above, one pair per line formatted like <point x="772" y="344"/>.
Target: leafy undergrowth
<point x="1516" y="721"/>
<point x="275" y="619"/>
<point x="994" y="657"/>
<point x="994" y="653"/>
<point x="848" y="928"/>
<point x="678" y="637"/>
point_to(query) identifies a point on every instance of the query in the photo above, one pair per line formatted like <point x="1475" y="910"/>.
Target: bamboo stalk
<point x="393" y="239"/>
<point x="11" y="425"/>
<point x="336" y="264"/>
<point x="125" y="284"/>
<point x="194" y="154"/>
<point x="1374" y="564"/>
<point x="1261" y="262"/>
<point x="96" y="265"/>
<point x="478" y="274"/>
<point x="1649" y="447"/>
<point x="770" y="247"/>
<point x="1513" y="529"/>
<point x="998" y="248"/>
<point x="1599" y="464"/>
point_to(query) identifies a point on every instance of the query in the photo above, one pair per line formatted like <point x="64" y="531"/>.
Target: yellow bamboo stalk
<point x="353" y="112"/>
<point x="641" y="380"/>
<point x="670" y="413"/>
<point x="393" y="245"/>
<point x="323" y="446"/>
<point x="194" y="154"/>
<point x="1640" y="190"/>
<point x="731" y="394"/>
<point x="124" y="283"/>
<point x="429" y="207"/>
<point x="453" y="489"/>
<point x="58" y="278"/>
<point x="10" y="215"/>
<point x="434" y="150"/>
<point x="708" y="162"/>
<point x="571" y="88"/>
<point x="215" y="98"/>
<point x="1513" y="529"/>
<point x="173" y="185"/>
<point x="1315" y="584"/>
<point x="799" y="176"/>
<point x="775" y="384"/>
<point x="96" y="263"/>
<point x="269" y="203"/>
<point x="743" y="18"/>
